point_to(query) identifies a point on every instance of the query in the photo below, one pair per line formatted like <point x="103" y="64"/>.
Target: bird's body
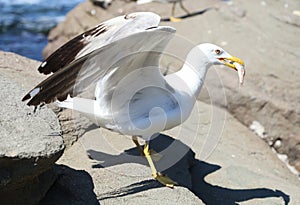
<point x="120" y="58"/>
<point x="152" y="102"/>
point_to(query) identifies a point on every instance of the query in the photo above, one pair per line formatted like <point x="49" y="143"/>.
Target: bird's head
<point x="218" y="56"/>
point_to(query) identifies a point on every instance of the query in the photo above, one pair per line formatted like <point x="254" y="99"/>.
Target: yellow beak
<point x="231" y="60"/>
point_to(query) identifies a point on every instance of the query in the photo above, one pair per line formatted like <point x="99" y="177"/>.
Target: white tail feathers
<point x="68" y="103"/>
<point x="85" y="106"/>
<point x="143" y="1"/>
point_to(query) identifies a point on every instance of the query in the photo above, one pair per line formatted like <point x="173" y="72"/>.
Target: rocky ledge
<point x="216" y="162"/>
<point x="30" y="142"/>
<point x="256" y="31"/>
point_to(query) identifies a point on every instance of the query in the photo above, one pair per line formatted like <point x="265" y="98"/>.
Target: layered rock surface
<point x="30" y="142"/>
<point x="265" y="34"/>
<point x="214" y="158"/>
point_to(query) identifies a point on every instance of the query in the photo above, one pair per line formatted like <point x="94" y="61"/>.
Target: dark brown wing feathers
<point x="67" y="53"/>
<point x="51" y="89"/>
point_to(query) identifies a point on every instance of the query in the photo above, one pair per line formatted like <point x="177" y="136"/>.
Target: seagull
<point x="119" y="61"/>
<point x="172" y="18"/>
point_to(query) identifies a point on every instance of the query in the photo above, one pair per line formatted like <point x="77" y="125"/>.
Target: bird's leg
<point x="156" y="156"/>
<point x="172" y="18"/>
<point x="183" y="8"/>
<point x="158" y="176"/>
<point x="139" y="147"/>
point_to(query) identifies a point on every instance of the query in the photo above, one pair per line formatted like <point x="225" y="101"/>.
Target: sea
<point x="25" y="24"/>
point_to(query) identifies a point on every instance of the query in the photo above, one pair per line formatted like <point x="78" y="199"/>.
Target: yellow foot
<point x="174" y="19"/>
<point x="155" y="156"/>
<point x="163" y="179"/>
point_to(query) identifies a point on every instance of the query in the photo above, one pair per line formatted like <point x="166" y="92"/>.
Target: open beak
<point x="236" y="64"/>
<point x="231" y="62"/>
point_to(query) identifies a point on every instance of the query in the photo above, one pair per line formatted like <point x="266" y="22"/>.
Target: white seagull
<point x="172" y="18"/>
<point x="120" y="59"/>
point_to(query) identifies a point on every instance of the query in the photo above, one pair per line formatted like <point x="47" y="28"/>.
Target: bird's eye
<point x="217" y="51"/>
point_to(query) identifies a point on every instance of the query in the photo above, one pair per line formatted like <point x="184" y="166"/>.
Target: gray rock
<point x="121" y="176"/>
<point x="30" y="142"/>
<point x="237" y="168"/>
<point x="71" y="187"/>
<point x="270" y="94"/>
<point x="217" y="161"/>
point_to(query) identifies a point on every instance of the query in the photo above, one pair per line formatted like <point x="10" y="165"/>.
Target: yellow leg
<point x="158" y="176"/>
<point x="155" y="156"/>
<point x="172" y="18"/>
<point x="136" y="142"/>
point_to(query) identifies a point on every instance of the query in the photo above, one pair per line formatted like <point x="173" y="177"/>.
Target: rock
<point x="30" y="142"/>
<point x="258" y="129"/>
<point x="270" y="94"/>
<point x="216" y="162"/>
<point x="208" y="168"/>
<point x="83" y="17"/>
<point x="237" y="11"/>
<point x="72" y="129"/>
<point x="71" y="187"/>
<point x="235" y="168"/>
<point x="291" y="18"/>
<point x="102" y="3"/>
<point x="121" y="175"/>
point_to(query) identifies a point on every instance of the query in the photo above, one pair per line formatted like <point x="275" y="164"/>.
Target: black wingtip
<point x="26" y="97"/>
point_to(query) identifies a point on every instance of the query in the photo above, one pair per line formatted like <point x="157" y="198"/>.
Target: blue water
<point x="25" y="24"/>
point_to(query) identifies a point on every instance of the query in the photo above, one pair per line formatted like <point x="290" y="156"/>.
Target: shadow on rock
<point x="71" y="187"/>
<point x="191" y="14"/>
<point x="131" y="189"/>
<point x="213" y="194"/>
<point x="177" y="158"/>
<point x="187" y="171"/>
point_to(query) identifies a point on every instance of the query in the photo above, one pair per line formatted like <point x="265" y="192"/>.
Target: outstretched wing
<point x="107" y="65"/>
<point x="98" y="37"/>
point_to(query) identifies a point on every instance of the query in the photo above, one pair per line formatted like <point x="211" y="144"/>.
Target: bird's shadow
<point x="191" y="14"/>
<point x="195" y="179"/>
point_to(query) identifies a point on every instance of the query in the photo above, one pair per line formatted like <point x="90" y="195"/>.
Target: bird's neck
<point x="193" y="71"/>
